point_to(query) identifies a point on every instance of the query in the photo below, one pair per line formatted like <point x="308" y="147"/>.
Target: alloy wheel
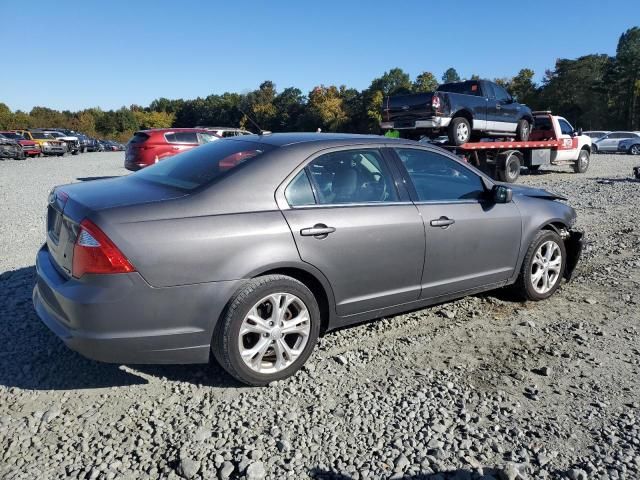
<point x="274" y="333"/>
<point x="545" y="268"/>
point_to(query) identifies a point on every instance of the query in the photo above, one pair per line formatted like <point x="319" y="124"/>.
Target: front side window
<point x="565" y="128"/>
<point x="351" y="176"/>
<point x="438" y="178"/>
<point x="501" y="94"/>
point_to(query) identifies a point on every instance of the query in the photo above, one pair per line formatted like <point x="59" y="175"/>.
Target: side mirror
<point x="579" y="131"/>
<point x="502" y="194"/>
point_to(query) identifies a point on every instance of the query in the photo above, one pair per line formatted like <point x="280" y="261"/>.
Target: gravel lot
<point x="484" y="387"/>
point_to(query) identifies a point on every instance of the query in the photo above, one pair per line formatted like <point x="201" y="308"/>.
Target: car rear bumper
<point x="430" y="123"/>
<point x="121" y="319"/>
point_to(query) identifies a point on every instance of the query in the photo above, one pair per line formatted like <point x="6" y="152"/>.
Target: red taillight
<point x="435" y="102"/>
<point x="95" y="253"/>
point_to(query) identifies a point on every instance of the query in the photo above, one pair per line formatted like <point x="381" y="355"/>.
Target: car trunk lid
<point x="70" y="204"/>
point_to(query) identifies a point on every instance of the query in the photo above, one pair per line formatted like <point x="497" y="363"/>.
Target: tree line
<point x="594" y="92"/>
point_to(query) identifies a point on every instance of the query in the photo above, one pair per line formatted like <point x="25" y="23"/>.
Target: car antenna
<point x="255" y="124"/>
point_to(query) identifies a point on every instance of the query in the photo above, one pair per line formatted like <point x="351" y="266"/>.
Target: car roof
<point x="283" y="139"/>
<point x="181" y="129"/>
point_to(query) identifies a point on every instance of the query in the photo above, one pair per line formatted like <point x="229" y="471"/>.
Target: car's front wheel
<point x="543" y="266"/>
<point x="635" y="149"/>
<point x="268" y="330"/>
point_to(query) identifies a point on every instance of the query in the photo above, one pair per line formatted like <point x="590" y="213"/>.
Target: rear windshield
<point x="468" y="88"/>
<point x="543" y="123"/>
<point x="200" y="166"/>
<point x="138" y="137"/>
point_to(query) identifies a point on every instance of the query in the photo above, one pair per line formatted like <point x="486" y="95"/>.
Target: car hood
<point x="521" y="190"/>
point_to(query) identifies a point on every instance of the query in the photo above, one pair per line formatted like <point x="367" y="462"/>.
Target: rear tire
<point x="251" y="310"/>
<point x="523" y="130"/>
<point x="459" y="131"/>
<point x="510" y="170"/>
<point x="582" y="163"/>
<point x="594" y="149"/>
<point x="546" y="257"/>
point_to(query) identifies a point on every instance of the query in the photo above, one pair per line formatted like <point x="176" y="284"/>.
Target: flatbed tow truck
<point x="553" y="141"/>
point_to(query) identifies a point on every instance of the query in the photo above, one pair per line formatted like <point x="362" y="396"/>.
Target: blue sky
<point x="79" y="54"/>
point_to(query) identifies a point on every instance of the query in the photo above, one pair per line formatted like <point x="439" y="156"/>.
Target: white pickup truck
<point x="552" y="141"/>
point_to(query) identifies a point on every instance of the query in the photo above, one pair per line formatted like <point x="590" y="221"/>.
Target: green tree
<point x="6" y="116"/>
<point x="523" y="87"/>
<point x="425" y="82"/>
<point x="451" y="75"/>
<point x="326" y="108"/>
<point x="626" y="85"/>
<point x="393" y="82"/>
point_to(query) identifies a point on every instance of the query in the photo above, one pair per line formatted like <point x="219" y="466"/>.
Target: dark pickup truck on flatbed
<point x="466" y="111"/>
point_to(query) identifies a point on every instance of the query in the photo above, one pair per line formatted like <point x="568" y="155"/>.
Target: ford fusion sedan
<point x="248" y="248"/>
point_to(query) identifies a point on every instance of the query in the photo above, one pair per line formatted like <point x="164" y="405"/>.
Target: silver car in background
<point x="248" y="248"/>
<point x="630" y="145"/>
<point x="611" y="141"/>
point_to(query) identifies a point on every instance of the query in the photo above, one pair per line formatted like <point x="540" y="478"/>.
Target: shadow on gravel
<point x="212" y="375"/>
<point x="88" y="179"/>
<point x="488" y="474"/>
<point x="611" y="181"/>
<point x="32" y="357"/>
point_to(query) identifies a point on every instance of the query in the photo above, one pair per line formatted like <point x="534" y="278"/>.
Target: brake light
<point x="435" y="102"/>
<point x="94" y="252"/>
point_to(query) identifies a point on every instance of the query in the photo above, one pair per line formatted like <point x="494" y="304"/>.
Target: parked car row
<point x="36" y="142"/>
<point x="615" y="142"/>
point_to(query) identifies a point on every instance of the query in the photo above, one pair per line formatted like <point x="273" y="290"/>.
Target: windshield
<point x="13" y="135"/>
<point x="200" y="166"/>
<point x="40" y="135"/>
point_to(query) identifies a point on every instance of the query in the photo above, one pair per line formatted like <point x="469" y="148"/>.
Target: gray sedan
<point x="249" y="248"/>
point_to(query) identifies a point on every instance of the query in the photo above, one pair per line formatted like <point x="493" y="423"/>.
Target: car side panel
<point x="211" y="248"/>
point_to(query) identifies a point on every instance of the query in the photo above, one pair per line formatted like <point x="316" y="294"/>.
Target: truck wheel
<point x="509" y="169"/>
<point x="459" y="131"/>
<point x="523" y="130"/>
<point x="582" y="163"/>
<point x="635" y="149"/>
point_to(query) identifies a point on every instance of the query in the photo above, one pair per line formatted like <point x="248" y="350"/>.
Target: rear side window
<point x="200" y="166"/>
<point x="299" y="192"/>
<point x="139" y="137"/>
<point x="351" y="176"/>
<point x="438" y="178"/>
<point x="186" y="137"/>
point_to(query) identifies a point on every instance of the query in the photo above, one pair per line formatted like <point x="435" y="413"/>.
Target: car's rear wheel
<point x="459" y="131"/>
<point x="635" y="149"/>
<point x="268" y="330"/>
<point x="543" y="266"/>
<point x="523" y="130"/>
<point x="594" y="148"/>
<point x="582" y="163"/>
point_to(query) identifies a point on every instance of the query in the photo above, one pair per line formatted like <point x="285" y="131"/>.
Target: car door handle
<point x="319" y="230"/>
<point x="498" y="107"/>
<point x="442" y="222"/>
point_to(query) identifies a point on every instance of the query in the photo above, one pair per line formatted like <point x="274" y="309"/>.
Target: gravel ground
<point x="484" y="387"/>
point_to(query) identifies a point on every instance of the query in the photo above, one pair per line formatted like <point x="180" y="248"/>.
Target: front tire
<point x="543" y="267"/>
<point x="582" y="163"/>
<point x="523" y="130"/>
<point x="459" y="131"/>
<point x="268" y="330"/>
<point x="635" y="149"/>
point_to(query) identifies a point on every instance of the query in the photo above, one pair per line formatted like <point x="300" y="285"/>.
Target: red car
<point x="29" y="147"/>
<point x="147" y="147"/>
